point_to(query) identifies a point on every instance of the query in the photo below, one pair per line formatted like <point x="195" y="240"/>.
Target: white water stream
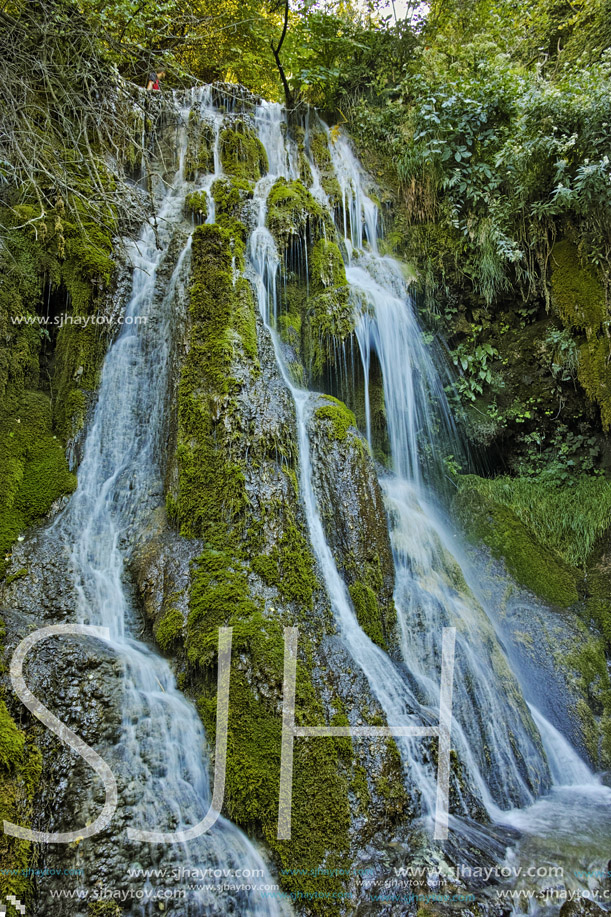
<point x="516" y="762"/>
<point x="161" y="761"/>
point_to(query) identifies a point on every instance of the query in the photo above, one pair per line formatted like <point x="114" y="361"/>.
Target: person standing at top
<point x="154" y="79"/>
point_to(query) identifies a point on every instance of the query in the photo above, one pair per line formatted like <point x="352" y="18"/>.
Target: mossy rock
<point x="242" y="154"/>
<point x="354" y="517"/>
<point x="328" y="322"/>
<point x="292" y="213"/>
<point x="326" y="266"/>
<point x="34" y="472"/>
<point x="212" y="503"/>
<point x="200" y="147"/>
<point x="230" y="195"/>
<point x="103" y="909"/>
<point x="289" y="566"/>
<point x="368" y="612"/>
<point x="20" y="772"/>
<point x="318" y="149"/>
<point x="170" y="629"/>
<point x="594" y="373"/>
<point x="577" y="292"/>
<point x="196" y="206"/>
<point x="532" y="565"/>
<point x="340" y="419"/>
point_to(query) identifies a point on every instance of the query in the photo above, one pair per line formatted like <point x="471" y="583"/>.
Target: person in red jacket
<point x="154" y="79"/>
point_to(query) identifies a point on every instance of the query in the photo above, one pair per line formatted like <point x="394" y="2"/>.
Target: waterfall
<point x="525" y="753"/>
<point x="516" y="764"/>
<point x="161" y="760"/>
<point x="513" y="756"/>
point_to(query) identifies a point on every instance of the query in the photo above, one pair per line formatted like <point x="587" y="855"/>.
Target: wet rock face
<point x="354" y="516"/>
<point x="79" y="680"/>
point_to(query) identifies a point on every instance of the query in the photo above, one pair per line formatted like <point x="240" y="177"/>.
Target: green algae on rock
<point x="242" y="154"/>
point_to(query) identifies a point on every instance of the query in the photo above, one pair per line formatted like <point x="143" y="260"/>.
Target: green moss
<point x="212" y="503"/>
<point x="360" y="788"/>
<point x="242" y="154"/>
<point x="367" y="611"/>
<point x="320" y="814"/>
<point x="338" y="416"/>
<point x="70" y="259"/>
<point x="230" y="195"/>
<point x="326" y="266"/>
<point x="289" y="326"/>
<point x="577" y="293"/>
<point x="79" y="355"/>
<point x="318" y="148"/>
<point x="223" y="333"/>
<point x="594" y="373"/>
<point x="292" y="213"/>
<point x="329" y="315"/>
<point x="589" y="663"/>
<point x="289" y="566"/>
<point x="200" y="147"/>
<point x="497" y="525"/>
<point x="169" y="630"/>
<point x="103" y="909"/>
<point x="33" y="469"/>
<point x="598" y="601"/>
<point x="196" y="206"/>
<point x="20" y="771"/>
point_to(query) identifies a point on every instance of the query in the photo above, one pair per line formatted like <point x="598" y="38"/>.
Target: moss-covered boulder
<point x="200" y="147"/>
<point x="594" y="373"/>
<point x="578" y="295"/>
<point x="354" y="517"/>
<point x="293" y="214"/>
<point x="244" y="560"/>
<point x="329" y="315"/>
<point x="216" y="503"/>
<point x="242" y="154"/>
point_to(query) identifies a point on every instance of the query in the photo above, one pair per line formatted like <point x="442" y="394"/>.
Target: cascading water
<point x="514" y="760"/>
<point x="160" y="762"/>
<point x="512" y="754"/>
<point x="390" y="689"/>
<point x="517" y="756"/>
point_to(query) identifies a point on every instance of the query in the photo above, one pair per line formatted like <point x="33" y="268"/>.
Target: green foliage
<point x="532" y="563"/>
<point x="568" y="520"/>
<point x="473" y="360"/>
